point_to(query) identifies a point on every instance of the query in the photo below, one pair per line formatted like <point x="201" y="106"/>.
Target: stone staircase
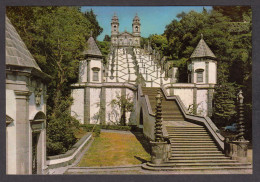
<point x="192" y="147"/>
<point x="170" y="109"/>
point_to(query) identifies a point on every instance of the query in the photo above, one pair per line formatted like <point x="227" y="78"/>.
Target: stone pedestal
<point x="159" y="152"/>
<point x="237" y="150"/>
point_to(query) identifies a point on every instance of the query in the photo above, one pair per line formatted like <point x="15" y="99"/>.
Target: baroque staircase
<point x="192" y="146"/>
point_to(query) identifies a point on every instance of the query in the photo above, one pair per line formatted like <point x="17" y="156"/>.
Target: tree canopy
<point x="227" y="31"/>
<point x="56" y="37"/>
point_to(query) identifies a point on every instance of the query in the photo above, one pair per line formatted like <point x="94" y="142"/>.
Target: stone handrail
<point x="70" y="156"/>
<point x="151" y="113"/>
<point x="206" y="121"/>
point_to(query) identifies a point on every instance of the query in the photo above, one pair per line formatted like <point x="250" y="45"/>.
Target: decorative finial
<point x="240" y="97"/>
<point x="201" y="35"/>
<point x="91" y="33"/>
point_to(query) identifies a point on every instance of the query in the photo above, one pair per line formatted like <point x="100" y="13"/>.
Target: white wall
<point x="94" y="105"/>
<point x="186" y="95"/>
<point x="202" y="99"/>
<point x="212" y="72"/>
<point x="11" y="132"/>
<point x="77" y="108"/>
<point x="112" y="114"/>
<point x="130" y="116"/>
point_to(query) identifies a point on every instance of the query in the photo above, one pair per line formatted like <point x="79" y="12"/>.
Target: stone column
<point x="207" y="72"/>
<point x="192" y="72"/>
<point x="210" y="99"/>
<point x="23" y="157"/>
<point x="86" y="105"/>
<point x="195" y="100"/>
<point x="103" y="106"/>
<point x="88" y="71"/>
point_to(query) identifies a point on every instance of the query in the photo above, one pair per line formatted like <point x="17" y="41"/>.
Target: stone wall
<point x="93" y="106"/>
<point x="193" y="95"/>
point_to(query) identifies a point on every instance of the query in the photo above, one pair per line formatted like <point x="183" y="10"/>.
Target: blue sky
<point x="153" y="19"/>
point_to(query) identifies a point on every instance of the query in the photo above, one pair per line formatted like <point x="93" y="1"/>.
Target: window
<point x="136" y="28"/>
<point x="199" y="75"/>
<point x="115" y="28"/>
<point x="95" y="74"/>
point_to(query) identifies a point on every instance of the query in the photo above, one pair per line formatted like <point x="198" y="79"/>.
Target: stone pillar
<point x="88" y="71"/>
<point x="159" y="152"/>
<point x="210" y="99"/>
<point x="207" y="72"/>
<point x="237" y="149"/>
<point x="103" y="106"/>
<point x="192" y="72"/>
<point x="23" y="155"/>
<point x="86" y="105"/>
<point x="195" y="100"/>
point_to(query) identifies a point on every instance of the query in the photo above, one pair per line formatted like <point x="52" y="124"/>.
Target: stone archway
<point x="38" y="142"/>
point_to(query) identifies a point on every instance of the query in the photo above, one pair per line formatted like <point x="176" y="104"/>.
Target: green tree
<point x="56" y="37"/>
<point x="107" y="38"/>
<point x="94" y="25"/>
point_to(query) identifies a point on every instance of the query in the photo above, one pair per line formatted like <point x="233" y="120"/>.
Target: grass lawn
<point x="115" y="149"/>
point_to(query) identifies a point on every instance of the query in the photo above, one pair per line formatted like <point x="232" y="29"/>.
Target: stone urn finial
<point x="240" y="97"/>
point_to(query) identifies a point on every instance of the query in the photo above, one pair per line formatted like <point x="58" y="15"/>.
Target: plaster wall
<point x="186" y="95"/>
<point x="202" y="99"/>
<point x="112" y="113"/>
<point x="11" y="133"/>
<point x="95" y="95"/>
<point x="212" y="72"/>
<point x="77" y="108"/>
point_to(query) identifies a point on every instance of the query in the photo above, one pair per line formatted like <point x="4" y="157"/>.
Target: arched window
<point x="199" y="75"/>
<point x="136" y="28"/>
<point x="95" y="74"/>
<point x="114" y="28"/>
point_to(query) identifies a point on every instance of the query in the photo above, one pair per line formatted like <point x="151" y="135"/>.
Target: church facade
<point x="125" y="38"/>
<point x="128" y="66"/>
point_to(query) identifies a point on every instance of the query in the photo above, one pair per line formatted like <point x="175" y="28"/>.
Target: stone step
<point x="195" y="148"/>
<point x="173" y="152"/>
<point x="176" y="145"/>
<point x="195" y="142"/>
<point x="203" y="160"/>
<point x="189" y="146"/>
<point x="185" y="127"/>
<point x="198" y="145"/>
<point x="208" y="168"/>
<point x="197" y="155"/>
<point x="187" y="132"/>
<point x="187" y="139"/>
<point x="198" y="158"/>
<point x="196" y="164"/>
